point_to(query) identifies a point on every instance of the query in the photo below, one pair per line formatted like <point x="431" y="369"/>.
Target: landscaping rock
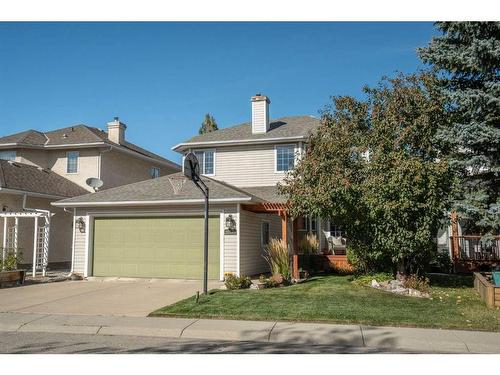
<point x="277" y="279"/>
<point x="223" y="287"/>
<point x="254" y="286"/>
<point x="397" y="287"/>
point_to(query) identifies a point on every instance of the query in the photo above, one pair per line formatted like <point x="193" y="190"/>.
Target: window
<point x="264" y="233"/>
<point x="155" y="172"/>
<point x="8" y="155"/>
<point x="285" y="158"/>
<point x="72" y="162"/>
<point x="206" y="160"/>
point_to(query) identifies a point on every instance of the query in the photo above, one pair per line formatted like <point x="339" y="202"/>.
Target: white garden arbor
<point x="40" y="236"/>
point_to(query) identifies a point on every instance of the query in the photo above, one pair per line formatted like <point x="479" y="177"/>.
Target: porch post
<point x="295" y="248"/>
<point x="16" y="232"/>
<point x="35" y="237"/>
<point x="4" y="242"/>
<point x="284" y="229"/>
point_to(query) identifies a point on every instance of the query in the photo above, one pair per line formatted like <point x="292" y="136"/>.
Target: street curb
<point x="334" y="335"/>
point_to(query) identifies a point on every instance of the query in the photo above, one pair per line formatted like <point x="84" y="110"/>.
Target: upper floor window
<point x="8" y="155"/>
<point x="206" y="160"/>
<point x="155" y="172"/>
<point x="285" y="158"/>
<point x="72" y="161"/>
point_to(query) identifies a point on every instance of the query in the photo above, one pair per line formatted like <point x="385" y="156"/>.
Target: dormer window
<point x="285" y="158"/>
<point x="72" y="161"/>
<point x="8" y="155"/>
<point x="207" y="162"/>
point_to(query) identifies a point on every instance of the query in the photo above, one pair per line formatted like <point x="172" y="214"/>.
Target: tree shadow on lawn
<point x="451" y="281"/>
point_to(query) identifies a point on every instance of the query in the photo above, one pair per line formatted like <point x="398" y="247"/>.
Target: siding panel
<point x="251" y="251"/>
<point x="249" y="165"/>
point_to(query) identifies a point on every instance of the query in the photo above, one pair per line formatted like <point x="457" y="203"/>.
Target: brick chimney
<point x="260" y="114"/>
<point x="116" y="131"/>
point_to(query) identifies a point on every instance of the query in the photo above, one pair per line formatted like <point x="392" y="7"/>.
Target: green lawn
<point x="335" y="299"/>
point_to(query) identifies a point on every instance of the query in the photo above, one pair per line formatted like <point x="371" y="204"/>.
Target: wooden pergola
<point x="280" y="209"/>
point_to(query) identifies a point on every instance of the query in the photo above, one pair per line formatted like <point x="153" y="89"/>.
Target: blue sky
<point x="161" y="78"/>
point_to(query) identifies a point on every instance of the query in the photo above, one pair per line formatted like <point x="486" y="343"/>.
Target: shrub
<point x="233" y="282"/>
<point x="441" y="262"/>
<point x="416" y="282"/>
<point x="278" y="258"/>
<point x="11" y="260"/>
<point x="366" y="279"/>
<point x="309" y="244"/>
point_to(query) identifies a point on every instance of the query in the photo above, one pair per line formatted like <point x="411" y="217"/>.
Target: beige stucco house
<point x="155" y="228"/>
<point x="38" y="168"/>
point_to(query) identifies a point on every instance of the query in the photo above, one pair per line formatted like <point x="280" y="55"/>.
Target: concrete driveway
<point x="98" y="297"/>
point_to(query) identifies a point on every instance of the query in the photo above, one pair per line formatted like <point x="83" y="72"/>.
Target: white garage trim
<point x="89" y="219"/>
<point x="221" y="244"/>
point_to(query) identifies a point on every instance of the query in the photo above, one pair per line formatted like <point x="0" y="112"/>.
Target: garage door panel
<point x="170" y="247"/>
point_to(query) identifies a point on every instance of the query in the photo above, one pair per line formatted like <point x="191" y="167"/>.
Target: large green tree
<point x="208" y="125"/>
<point x="466" y="58"/>
<point x="374" y="167"/>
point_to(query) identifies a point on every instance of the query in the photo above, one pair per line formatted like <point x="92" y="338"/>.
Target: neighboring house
<point x="155" y="228"/>
<point x="38" y="168"/>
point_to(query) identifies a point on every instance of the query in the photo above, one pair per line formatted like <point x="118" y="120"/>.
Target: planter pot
<point x="15" y="276"/>
<point x="496" y="277"/>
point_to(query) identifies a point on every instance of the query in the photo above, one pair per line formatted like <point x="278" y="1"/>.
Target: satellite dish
<point x="94" y="183"/>
<point x="191" y="167"/>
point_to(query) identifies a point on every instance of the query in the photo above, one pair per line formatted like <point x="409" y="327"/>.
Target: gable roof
<point x="81" y="135"/>
<point x="294" y="127"/>
<point x="29" y="178"/>
<point x="174" y="188"/>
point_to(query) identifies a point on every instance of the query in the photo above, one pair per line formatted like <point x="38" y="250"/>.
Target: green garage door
<point x="170" y="247"/>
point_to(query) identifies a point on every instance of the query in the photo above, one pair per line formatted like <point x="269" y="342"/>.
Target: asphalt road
<point x="58" y="343"/>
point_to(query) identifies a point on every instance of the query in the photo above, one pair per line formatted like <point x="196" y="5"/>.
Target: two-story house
<point x="155" y="228"/>
<point x="38" y="168"/>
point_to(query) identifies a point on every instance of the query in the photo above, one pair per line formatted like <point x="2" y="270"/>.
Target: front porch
<point x="330" y="256"/>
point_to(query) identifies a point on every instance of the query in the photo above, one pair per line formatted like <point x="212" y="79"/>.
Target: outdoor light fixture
<point x="80" y="224"/>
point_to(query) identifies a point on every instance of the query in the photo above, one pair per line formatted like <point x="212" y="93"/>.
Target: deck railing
<point x="472" y="248"/>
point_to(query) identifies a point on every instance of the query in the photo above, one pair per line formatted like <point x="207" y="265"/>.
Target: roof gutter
<point x="181" y="146"/>
<point x="30" y="193"/>
<point x="148" y="203"/>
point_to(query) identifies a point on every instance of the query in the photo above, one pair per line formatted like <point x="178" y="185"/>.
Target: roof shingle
<point x="29" y="178"/>
<point x="284" y="127"/>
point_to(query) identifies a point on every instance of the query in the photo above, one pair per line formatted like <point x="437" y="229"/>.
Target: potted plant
<point x="8" y="269"/>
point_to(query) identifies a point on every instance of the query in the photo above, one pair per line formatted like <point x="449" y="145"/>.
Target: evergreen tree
<point x="466" y="58"/>
<point x="208" y="125"/>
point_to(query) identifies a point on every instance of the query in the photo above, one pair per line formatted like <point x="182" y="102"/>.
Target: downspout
<point x="99" y="166"/>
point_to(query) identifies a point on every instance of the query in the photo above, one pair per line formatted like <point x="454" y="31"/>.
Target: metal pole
<point x="205" y="252"/>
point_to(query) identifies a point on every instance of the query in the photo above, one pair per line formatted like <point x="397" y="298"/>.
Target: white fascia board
<point x="181" y="146"/>
<point x="149" y="203"/>
<point x="30" y="193"/>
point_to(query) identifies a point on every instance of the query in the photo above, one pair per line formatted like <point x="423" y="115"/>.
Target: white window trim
<point x="77" y="163"/>
<point x="205" y="150"/>
<point x="262" y="244"/>
<point x="295" y="149"/>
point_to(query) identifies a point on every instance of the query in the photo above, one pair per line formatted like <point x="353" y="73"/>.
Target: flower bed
<point x="489" y="293"/>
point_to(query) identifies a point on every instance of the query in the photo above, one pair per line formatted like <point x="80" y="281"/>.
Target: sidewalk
<point x="384" y="338"/>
